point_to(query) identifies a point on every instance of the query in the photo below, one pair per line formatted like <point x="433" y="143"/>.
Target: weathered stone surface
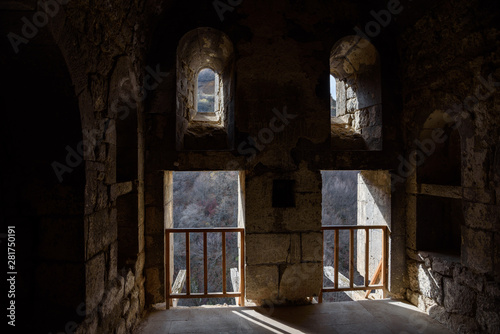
<point x="482" y="216"/>
<point x="262" y="282"/>
<point x="299" y="281"/>
<point x="154" y="285"/>
<point x="122" y="327"/>
<point x="99" y="234"/>
<point x="442" y="265"/>
<point x="133" y="311"/>
<point x="312" y="246"/>
<point x="95" y="273"/>
<point x="129" y="282"/>
<point x="272" y="248"/>
<point x="477" y="250"/>
<point x="458" y="298"/>
<point x="464" y="276"/>
<point x="112" y="297"/>
<point x="487" y="314"/>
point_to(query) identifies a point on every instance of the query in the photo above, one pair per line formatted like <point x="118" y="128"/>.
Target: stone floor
<point x="357" y="317"/>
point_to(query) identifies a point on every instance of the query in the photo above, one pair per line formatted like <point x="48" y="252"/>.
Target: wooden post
<point x="336" y="258"/>
<point x="205" y="266"/>
<point x="188" y="271"/>
<point x="351" y="258"/>
<point x="367" y="255"/>
<point x="242" y="268"/>
<point x="320" y="296"/>
<point x="384" y="260"/>
<point x="167" y="270"/>
<point x="224" y="289"/>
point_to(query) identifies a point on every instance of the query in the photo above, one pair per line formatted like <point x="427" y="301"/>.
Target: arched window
<point x="355" y="73"/>
<point x="205" y="91"/>
<point x="207" y="95"/>
<point x="333" y="97"/>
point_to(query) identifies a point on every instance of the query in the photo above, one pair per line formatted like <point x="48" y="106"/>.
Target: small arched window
<point x="333" y="97"/>
<point x="205" y="90"/>
<point x="208" y="96"/>
<point x="355" y="102"/>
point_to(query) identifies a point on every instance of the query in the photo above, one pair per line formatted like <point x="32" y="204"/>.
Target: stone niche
<point x="199" y="49"/>
<point x="357" y="125"/>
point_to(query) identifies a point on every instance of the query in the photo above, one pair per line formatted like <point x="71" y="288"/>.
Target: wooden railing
<point x="380" y="271"/>
<point x="169" y="294"/>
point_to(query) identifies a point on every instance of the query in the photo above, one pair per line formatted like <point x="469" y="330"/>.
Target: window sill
<point x="208" y="117"/>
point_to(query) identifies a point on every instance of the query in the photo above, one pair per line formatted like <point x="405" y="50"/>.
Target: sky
<point x="333" y="91"/>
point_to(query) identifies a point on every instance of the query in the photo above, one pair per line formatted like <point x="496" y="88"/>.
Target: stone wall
<point x="374" y="208"/>
<point x="282" y="134"/>
<point x="121" y="58"/>
<point x="460" y="291"/>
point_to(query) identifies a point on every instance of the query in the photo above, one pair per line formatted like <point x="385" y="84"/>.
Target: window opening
<point x="206" y="91"/>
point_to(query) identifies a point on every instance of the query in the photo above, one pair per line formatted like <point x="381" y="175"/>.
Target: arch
<point x="357" y="123"/>
<point x="45" y="182"/>
<point x="199" y="49"/>
<point x="439" y="209"/>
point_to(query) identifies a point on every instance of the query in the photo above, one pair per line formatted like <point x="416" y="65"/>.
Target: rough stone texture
<point x="436" y="59"/>
<point x="312" y="246"/>
<point x="262" y="282"/>
<point x="299" y="281"/>
<point x="458" y="298"/>
<point x="286" y="249"/>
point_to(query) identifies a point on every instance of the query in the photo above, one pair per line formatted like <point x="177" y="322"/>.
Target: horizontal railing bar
<point x="371" y="287"/>
<point x="352" y="227"/>
<point x="206" y="295"/>
<point x="209" y="229"/>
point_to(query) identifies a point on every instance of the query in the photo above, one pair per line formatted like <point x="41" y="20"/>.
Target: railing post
<point x="188" y="271"/>
<point x="351" y="258"/>
<point x="336" y="258"/>
<point x="167" y="270"/>
<point x="205" y="266"/>
<point x="367" y="256"/>
<point x="224" y="289"/>
<point x="242" y="268"/>
<point x="384" y="260"/>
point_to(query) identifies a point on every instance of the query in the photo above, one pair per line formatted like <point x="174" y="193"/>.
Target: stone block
<point x="312" y="246"/>
<point x="458" y="298"/>
<point x="272" y="248"/>
<point x="113" y="260"/>
<point x="463" y="275"/>
<point x="442" y="266"/>
<point x="155" y="222"/>
<point x="412" y="297"/>
<point x="129" y="282"/>
<point x="306" y="216"/>
<point x="132" y="312"/>
<point x="299" y="281"/>
<point x="488" y="313"/>
<point x="413" y="268"/>
<point x="262" y="282"/>
<point x="481" y="216"/>
<point x="154" y="285"/>
<point x="477" y="250"/>
<point x="352" y="105"/>
<point x="122" y="327"/>
<point x="112" y="297"/>
<point x="100" y="232"/>
<point x="95" y="273"/>
<point x="125" y="306"/>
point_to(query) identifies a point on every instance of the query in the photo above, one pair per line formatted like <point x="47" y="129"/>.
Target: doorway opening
<point x="204" y="238"/>
<point x="355" y="221"/>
